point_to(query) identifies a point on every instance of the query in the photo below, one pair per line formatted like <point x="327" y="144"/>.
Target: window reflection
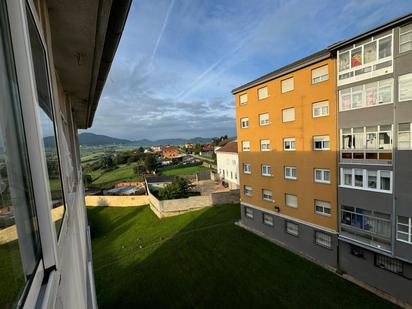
<point x="47" y="122"/>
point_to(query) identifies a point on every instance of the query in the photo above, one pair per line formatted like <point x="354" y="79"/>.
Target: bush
<point x="179" y="188"/>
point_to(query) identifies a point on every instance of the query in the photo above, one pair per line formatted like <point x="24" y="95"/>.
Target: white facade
<point x="228" y="168"/>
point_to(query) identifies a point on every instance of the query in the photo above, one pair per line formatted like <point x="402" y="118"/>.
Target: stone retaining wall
<point x="117" y="201"/>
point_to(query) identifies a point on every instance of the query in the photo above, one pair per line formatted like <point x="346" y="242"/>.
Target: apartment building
<point x="54" y="59"/>
<point x="374" y="90"/>
<point x="286" y="128"/>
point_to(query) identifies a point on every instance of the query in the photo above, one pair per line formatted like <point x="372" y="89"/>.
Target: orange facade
<point x="305" y="158"/>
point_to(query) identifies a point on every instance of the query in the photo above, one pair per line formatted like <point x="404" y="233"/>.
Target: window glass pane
<point x="369" y="52"/>
<point x="347" y="179"/>
<point x="371" y="94"/>
<point x="405" y="87"/>
<point x="344" y="61"/>
<point x="385" y="180"/>
<point x="358" y="178"/>
<point x="385" y="47"/>
<point x="356" y="57"/>
<point x="20" y="248"/>
<point x="372" y="179"/>
<point x="357" y="96"/>
<point x="47" y="122"/>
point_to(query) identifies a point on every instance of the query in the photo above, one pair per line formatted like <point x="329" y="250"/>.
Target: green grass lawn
<point x="201" y="259"/>
<point x="122" y="173"/>
<point x="183" y="171"/>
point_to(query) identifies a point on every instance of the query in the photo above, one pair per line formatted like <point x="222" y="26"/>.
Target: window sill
<point x="323" y="182"/>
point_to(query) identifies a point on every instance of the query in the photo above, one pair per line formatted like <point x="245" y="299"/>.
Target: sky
<point x="178" y="60"/>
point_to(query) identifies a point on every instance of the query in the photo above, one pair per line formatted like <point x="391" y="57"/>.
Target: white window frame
<point x="323" y="205"/>
<point x="265" y="168"/>
<point x="291" y="141"/>
<point x="290" y="169"/>
<point x="245" y="145"/>
<point x="372" y="65"/>
<point x="243" y="101"/>
<point x="247" y="190"/>
<point x="283" y="84"/>
<point x="267" y="195"/>
<point x="323" y="172"/>
<point x="285" y="110"/>
<point x="265" y="145"/>
<point x="319" y="106"/>
<point x="405" y="33"/>
<point x="320" y="78"/>
<point x="263" y="96"/>
<point x="409" y="228"/>
<point x="292" y="228"/>
<point x="249" y="213"/>
<point x="326" y="241"/>
<point x="323" y="139"/>
<point x="365" y="180"/>
<point x="292" y="196"/>
<point x="264" y="122"/>
<point x="244" y="122"/>
<point x="267" y="219"/>
<point x="400" y="79"/>
<point x="247" y="168"/>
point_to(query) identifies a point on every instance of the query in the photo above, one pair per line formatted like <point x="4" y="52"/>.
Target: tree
<point x="179" y="188"/>
<point x="141" y="149"/>
<point x="87" y="179"/>
<point x="197" y="148"/>
<point x="150" y="163"/>
<point x="139" y="169"/>
<point x="107" y="162"/>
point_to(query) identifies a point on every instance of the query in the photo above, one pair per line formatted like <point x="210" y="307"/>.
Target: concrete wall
<point x="116" y="201"/>
<point x="364" y="269"/>
<point x="303" y="244"/>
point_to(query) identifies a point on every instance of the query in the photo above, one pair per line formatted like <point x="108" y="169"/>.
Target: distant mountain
<point x="171" y="141"/>
<point x="96" y="139"/>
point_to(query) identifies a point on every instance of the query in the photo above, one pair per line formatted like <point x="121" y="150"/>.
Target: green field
<point x="203" y="260"/>
<point x="121" y="173"/>
<point x="183" y="171"/>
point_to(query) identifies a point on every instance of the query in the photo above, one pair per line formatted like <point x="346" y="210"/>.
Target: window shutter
<point x="287" y="85"/>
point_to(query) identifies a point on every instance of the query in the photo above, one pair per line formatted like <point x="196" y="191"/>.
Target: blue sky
<point x="178" y="60"/>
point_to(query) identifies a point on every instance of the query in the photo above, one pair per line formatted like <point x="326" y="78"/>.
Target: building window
<point x="322" y="208"/>
<point x="247" y="190"/>
<point x="21" y="253"/>
<point x="247" y="168"/>
<point x="290" y="172"/>
<point x="263" y="93"/>
<point x="292" y="228"/>
<point x="320" y="109"/>
<point x="404" y="229"/>
<point x="267" y="219"/>
<point x="320" y="74"/>
<point x="288" y="114"/>
<point x="371" y="227"/>
<point x="367" y="95"/>
<point x="287" y="85"/>
<point x="243" y="99"/>
<point x="405" y="38"/>
<point x="249" y="212"/>
<point x="266" y="170"/>
<point x="321" y="142"/>
<point x="246" y="145"/>
<point x="244" y="123"/>
<point x="389" y="264"/>
<point x="264" y="145"/>
<point x="370" y="180"/>
<point x="322" y="239"/>
<point x="264" y="119"/>
<point x="267" y="195"/>
<point x="291" y="200"/>
<point x="372" y="58"/>
<point x="322" y="175"/>
<point x="404" y="136"/>
<point x="405" y="87"/>
<point x="289" y="144"/>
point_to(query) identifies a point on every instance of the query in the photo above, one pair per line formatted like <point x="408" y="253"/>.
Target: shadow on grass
<point x="201" y="259"/>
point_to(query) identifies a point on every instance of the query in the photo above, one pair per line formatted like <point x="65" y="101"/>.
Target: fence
<point x="117" y="201"/>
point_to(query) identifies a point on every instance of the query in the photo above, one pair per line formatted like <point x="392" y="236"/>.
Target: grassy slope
<point x="201" y="259"/>
<point x="183" y="171"/>
<point x="122" y="173"/>
<point x="11" y="274"/>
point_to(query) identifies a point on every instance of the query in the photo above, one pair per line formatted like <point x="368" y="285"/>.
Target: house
<point x="320" y="174"/>
<point x="170" y="152"/>
<point x="228" y="164"/>
<point x="55" y="57"/>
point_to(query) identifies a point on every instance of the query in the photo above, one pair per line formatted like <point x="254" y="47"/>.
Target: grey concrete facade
<point x="304" y="244"/>
<point x="357" y="257"/>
